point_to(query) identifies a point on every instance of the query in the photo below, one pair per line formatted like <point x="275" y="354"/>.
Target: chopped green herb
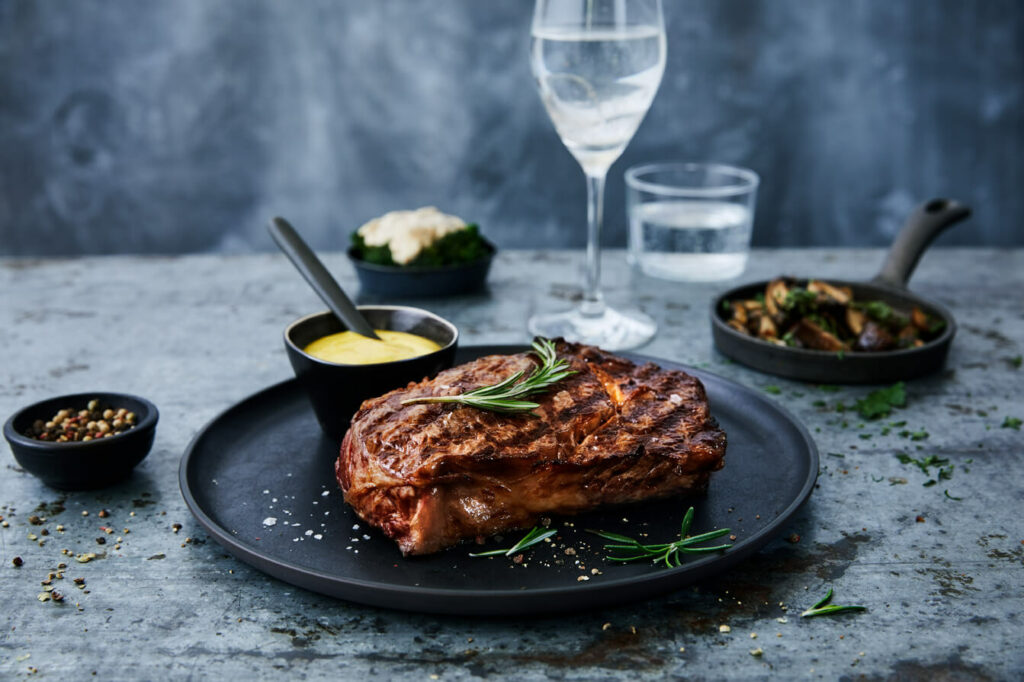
<point x="840" y="354"/>
<point x="1011" y="423"/>
<point x="946" y="493"/>
<point x="929" y="483"/>
<point x="880" y="403"/>
<point x="923" y="464"/>
<point x="897" y="424"/>
<point x="835" y="454"/>
<point x="885" y="431"/>
<point x="864" y="436"/>
<point x="726" y="306"/>
<point x="819" y="403"/>
<point x="918" y="435"/>
<point x="877" y="310"/>
<point x="1016" y="361"/>
<point x="828" y="388"/>
<point x="823" y="608"/>
<point x="801" y="299"/>
<point x="771" y="388"/>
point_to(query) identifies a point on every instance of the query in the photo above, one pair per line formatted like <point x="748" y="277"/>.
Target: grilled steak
<point x="429" y="475"/>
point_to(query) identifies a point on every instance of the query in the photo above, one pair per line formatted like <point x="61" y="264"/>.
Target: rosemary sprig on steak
<point x="508" y="396"/>
<point x="668" y="552"/>
<point x="820" y="609"/>
<point x="537" y="534"/>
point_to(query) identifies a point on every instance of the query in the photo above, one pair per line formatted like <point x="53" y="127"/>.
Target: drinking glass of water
<point x="690" y="221"/>
<point x="598" y="64"/>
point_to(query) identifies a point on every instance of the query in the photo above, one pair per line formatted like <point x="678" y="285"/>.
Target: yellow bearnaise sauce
<point x="349" y="348"/>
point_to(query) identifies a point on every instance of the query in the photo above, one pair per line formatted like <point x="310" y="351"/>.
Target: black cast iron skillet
<point x="889" y="285"/>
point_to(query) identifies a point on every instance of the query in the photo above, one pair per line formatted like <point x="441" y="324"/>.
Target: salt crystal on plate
<point x="269" y="521"/>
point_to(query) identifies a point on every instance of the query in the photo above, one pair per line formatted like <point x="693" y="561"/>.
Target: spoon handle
<point x="306" y="262"/>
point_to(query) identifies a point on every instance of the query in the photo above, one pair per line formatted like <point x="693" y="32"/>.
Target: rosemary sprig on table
<point x="508" y="396"/>
<point x="668" y="552"/>
<point x="537" y="534"/>
<point x="823" y="608"/>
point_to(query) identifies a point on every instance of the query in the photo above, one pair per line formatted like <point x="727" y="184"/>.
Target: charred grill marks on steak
<point x="429" y="475"/>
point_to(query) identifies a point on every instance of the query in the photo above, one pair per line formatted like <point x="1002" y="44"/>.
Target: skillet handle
<point x="925" y="224"/>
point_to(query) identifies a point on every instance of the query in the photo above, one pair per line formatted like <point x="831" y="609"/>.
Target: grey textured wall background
<point x="181" y="125"/>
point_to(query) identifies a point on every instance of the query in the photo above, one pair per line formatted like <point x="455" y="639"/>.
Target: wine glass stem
<point x="593" y="302"/>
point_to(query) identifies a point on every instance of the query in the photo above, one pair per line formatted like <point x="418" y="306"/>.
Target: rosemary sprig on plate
<point x="667" y="553"/>
<point x="823" y="608"/>
<point x="537" y="534"/>
<point x="508" y="396"/>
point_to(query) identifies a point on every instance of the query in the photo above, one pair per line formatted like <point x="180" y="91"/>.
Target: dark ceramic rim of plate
<point x="421" y="269"/>
<point x="945" y="337"/>
<point x="503" y="600"/>
<point x="42" y="447"/>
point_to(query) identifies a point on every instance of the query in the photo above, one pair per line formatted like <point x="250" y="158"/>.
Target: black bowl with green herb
<point x="457" y="263"/>
<point x="883" y="333"/>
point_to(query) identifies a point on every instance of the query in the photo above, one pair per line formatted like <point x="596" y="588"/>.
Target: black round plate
<point x="264" y="458"/>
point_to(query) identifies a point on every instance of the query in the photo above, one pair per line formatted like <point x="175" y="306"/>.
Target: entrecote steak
<point x="615" y="432"/>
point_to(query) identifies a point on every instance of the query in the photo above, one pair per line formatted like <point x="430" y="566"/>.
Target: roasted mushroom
<point x="919" y="319"/>
<point x="775" y="295"/>
<point x="840" y="295"/>
<point x="855" y="320"/>
<point x="874" y="338"/>
<point x="813" y="336"/>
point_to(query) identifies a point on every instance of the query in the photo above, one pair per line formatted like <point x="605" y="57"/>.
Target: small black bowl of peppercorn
<point x="82" y="441"/>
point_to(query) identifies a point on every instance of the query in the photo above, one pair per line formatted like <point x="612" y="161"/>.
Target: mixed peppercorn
<point x="71" y="425"/>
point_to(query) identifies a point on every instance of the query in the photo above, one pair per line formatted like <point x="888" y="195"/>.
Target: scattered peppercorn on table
<point x="915" y="516"/>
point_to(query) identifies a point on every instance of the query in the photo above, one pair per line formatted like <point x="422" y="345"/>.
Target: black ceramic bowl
<point x="409" y="280"/>
<point x="82" y="465"/>
<point x="335" y="390"/>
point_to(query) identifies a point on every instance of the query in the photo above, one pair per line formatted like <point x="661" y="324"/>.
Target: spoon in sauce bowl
<point x="326" y="287"/>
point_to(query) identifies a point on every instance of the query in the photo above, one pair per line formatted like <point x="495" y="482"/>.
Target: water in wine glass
<point x="597" y="85"/>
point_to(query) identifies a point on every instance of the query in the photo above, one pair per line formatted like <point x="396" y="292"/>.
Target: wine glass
<point x="598" y="65"/>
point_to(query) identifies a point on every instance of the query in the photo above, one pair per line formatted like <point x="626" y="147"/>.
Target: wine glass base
<point x="610" y="329"/>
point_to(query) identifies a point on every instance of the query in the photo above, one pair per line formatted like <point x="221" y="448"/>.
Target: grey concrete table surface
<point x="942" y="576"/>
